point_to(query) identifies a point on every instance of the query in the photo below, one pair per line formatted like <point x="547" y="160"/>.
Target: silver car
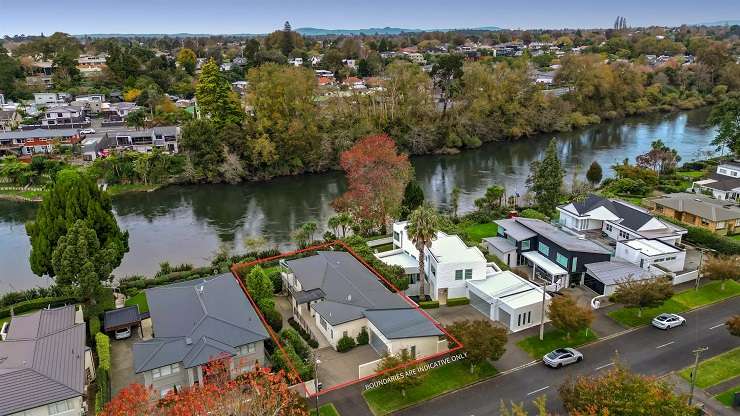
<point x="668" y="320"/>
<point x="561" y="357"/>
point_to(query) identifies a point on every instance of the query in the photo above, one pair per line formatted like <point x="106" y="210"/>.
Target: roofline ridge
<point x="329" y="264"/>
<point x="144" y="364"/>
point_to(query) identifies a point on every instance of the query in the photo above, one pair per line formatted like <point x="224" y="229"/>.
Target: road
<point x="646" y="350"/>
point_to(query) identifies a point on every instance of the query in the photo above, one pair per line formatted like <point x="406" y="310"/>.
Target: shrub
<point x="363" y="337"/>
<point x="35" y="304"/>
<point x="458" y="301"/>
<point x="94" y="326"/>
<point x="533" y="213"/>
<point x="102" y="346"/>
<point x="303" y="333"/>
<point x="273" y="318"/>
<point x="345" y="344"/>
<point x="102" y="396"/>
<point x="313" y="343"/>
<point x="292" y="337"/>
<point x="277" y="281"/>
<point x="429" y="304"/>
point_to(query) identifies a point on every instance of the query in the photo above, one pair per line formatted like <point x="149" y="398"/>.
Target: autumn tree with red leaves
<point x="256" y="393"/>
<point x="377" y="175"/>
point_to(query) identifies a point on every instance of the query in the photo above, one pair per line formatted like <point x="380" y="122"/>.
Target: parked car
<point x="561" y="357"/>
<point x="123" y="333"/>
<point x="668" y="320"/>
<point x="87" y="131"/>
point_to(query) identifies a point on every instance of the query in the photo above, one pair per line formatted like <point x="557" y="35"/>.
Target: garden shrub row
<point x="12" y="298"/>
<point x="705" y="238"/>
<point x="458" y="301"/>
<point x="429" y="304"/>
<point x="130" y="285"/>
<point x="35" y="304"/>
<point x="102" y="347"/>
<point x="303" y="333"/>
<point x="93" y="326"/>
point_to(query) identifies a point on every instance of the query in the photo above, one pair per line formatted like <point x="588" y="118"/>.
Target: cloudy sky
<point x="260" y="16"/>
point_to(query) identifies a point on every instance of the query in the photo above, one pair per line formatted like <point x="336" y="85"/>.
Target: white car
<point x="668" y="320"/>
<point x="87" y="131"/>
<point x="561" y="357"/>
<point x="123" y="333"/>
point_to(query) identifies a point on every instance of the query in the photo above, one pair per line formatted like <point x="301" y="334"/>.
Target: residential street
<point x="646" y="350"/>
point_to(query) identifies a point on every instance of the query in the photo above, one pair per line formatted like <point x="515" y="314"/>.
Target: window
<point x="720" y="225"/>
<point x="458" y="275"/>
<point x="166" y="370"/>
<point x="323" y="322"/>
<point x="344" y="334"/>
<point x="525" y="245"/>
<point x="544" y="249"/>
<point x="500" y="231"/>
<point x="562" y="260"/>
<point x="623" y="235"/>
<point x="609" y="227"/>
<point x="468" y="274"/>
<point x="704" y="222"/>
<point x="396" y="236"/>
<point x="166" y="390"/>
<point x="247" y="349"/>
<point x="331" y="332"/>
<point x="61" y="407"/>
<point x="574" y="265"/>
<point x="434" y="270"/>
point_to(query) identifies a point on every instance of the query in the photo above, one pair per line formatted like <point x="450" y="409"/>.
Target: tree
<point x="187" y="59"/>
<point x="260" y="287"/>
<point x="660" y="158"/>
<point x="481" y="339"/>
<point x="398" y="368"/>
<point x="621" y="392"/>
<point x="594" y="173"/>
<point x="205" y="152"/>
<point x="491" y="200"/>
<point x="341" y="221"/>
<point x="566" y="315"/>
<point x="413" y="197"/>
<point x="447" y="74"/>
<point x="546" y="179"/>
<point x="721" y="268"/>
<point x="518" y="409"/>
<point x="286" y="41"/>
<point x="215" y="98"/>
<point x="643" y="293"/>
<point x="137" y="119"/>
<point x="726" y="118"/>
<point x="733" y="325"/>
<point x="73" y="196"/>
<point x="422" y="230"/>
<point x="455" y="201"/>
<point x="376" y="176"/>
<point x="11" y="72"/>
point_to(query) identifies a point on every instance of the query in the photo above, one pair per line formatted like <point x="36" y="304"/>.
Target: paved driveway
<point x="122" y="363"/>
<point x="341" y="367"/>
<point x="446" y="315"/>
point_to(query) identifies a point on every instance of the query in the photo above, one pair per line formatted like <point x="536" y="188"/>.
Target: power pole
<point x="696" y="352"/>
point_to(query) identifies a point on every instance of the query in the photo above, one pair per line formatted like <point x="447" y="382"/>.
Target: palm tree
<point x="422" y="230"/>
<point x="340" y="221"/>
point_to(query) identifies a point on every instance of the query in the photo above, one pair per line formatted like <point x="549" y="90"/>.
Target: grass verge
<point x="138" y="299"/>
<point x="555" y="339"/>
<point x="726" y="397"/>
<point x="680" y="302"/>
<point x="326" y="410"/>
<point x="716" y="369"/>
<point x="386" y="399"/>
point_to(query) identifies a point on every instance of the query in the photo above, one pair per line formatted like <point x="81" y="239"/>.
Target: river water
<point x="188" y="224"/>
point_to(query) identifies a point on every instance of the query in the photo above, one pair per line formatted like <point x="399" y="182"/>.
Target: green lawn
<point x="554" y="339"/>
<point x="477" y="232"/>
<point x="117" y="189"/>
<point x="726" y="397"/>
<point x="735" y="237"/>
<point x="691" y="174"/>
<point x="138" y="299"/>
<point x="326" y="410"/>
<point x="680" y="302"/>
<point x="716" y="369"/>
<point x="386" y="399"/>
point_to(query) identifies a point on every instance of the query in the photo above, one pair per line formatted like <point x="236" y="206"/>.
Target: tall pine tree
<point x="546" y="179"/>
<point x="216" y="101"/>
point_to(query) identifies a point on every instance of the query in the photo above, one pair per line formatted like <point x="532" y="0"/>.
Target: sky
<point x="33" y="17"/>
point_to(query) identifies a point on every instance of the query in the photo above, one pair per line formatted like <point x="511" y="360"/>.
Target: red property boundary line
<point x="276" y="338"/>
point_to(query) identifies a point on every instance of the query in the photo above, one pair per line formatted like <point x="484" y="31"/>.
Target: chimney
<point x="349" y="298"/>
<point x="188" y="340"/>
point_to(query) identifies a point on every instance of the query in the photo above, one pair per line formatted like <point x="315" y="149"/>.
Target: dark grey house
<point x="195" y="322"/>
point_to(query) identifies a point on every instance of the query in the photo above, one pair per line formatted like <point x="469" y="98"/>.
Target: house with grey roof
<point x="717" y="215"/>
<point x="45" y="365"/>
<point x="605" y="277"/>
<point x="333" y="295"/>
<point x="724" y="183"/>
<point x="616" y="219"/>
<point x="193" y="323"/>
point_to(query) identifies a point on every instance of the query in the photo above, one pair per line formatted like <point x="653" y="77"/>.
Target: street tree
<point x="641" y="294"/>
<point x="399" y="365"/>
<point x="73" y="196"/>
<point x="568" y="316"/>
<point x="725" y="116"/>
<point x="413" y="197"/>
<point x="482" y="340"/>
<point x="518" y="409"/>
<point x="722" y="268"/>
<point x="546" y="179"/>
<point x="187" y="59"/>
<point x="622" y="392"/>
<point x="422" y="230"/>
<point x="594" y="173"/>
<point x="215" y="98"/>
<point x="447" y="74"/>
<point x="733" y="325"/>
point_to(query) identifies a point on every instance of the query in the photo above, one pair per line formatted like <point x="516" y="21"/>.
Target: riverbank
<point x="36" y="196"/>
<point x="22" y="195"/>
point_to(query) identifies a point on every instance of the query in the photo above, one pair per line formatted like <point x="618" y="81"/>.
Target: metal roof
<point x="565" y="240"/>
<point x="700" y="205"/>
<point x="613" y="272"/>
<point x="510" y="289"/>
<point x="120" y="318"/>
<point x="632" y="216"/>
<point x="191" y="317"/>
<point x="402" y="323"/>
<point x="501" y="244"/>
<point x="44" y="353"/>
<point x="515" y="230"/>
<point x="39" y="133"/>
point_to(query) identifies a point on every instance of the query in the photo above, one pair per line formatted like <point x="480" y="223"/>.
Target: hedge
<point x="292" y="337"/>
<point x="303" y="333"/>
<point x="102" y="346"/>
<point x="136" y="283"/>
<point x="35" y="304"/>
<point x="273" y="318"/>
<point x="458" y="301"/>
<point x="94" y="326"/>
<point x="430" y="304"/>
<point x="705" y="238"/>
<point x="102" y="396"/>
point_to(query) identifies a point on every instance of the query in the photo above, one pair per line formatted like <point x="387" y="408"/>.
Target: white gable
<point x="602" y="214"/>
<point x="653" y="224"/>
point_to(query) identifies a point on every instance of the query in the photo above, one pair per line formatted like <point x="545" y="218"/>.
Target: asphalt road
<point x="646" y="350"/>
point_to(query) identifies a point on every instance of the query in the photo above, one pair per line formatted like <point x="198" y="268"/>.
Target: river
<point x="188" y="224"/>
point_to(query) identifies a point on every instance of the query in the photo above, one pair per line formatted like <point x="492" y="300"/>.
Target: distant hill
<point x="312" y="31"/>
<point x="721" y="23"/>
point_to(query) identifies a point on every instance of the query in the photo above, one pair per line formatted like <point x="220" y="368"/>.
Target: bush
<point x="35" y="304"/>
<point x="303" y="333"/>
<point x="273" y="318"/>
<point x="363" y="337"/>
<point x="292" y="337"/>
<point x="102" y="396"/>
<point x="277" y="281"/>
<point x="458" y="301"/>
<point x="94" y="326"/>
<point x="102" y="346"/>
<point x="533" y="213"/>
<point x="429" y="304"/>
<point x="345" y="344"/>
<point x="706" y="238"/>
<point x="12" y="298"/>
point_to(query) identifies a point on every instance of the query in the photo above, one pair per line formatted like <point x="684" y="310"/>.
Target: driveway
<point x="341" y="367"/>
<point x="446" y="315"/>
<point x="122" y="363"/>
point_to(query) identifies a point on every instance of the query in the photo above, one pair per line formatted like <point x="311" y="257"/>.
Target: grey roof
<point x="338" y="313"/>
<point x="402" y="323"/>
<point x="632" y="217"/>
<point x="501" y="244"/>
<point x="122" y="317"/>
<point x="700" y="205"/>
<point x="195" y="321"/>
<point x="162" y="130"/>
<point x="613" y="272"/>
<point x="41" y="133"/>
<point x="566" y="240"/>
<point x="44" y="353"/>
<point x="515" y="230"/>
<point x="722" y="182"/>
<point x="731" y="163"/>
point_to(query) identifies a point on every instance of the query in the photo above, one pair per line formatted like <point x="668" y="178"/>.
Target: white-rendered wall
<point x="424" y="345"/>
<point x="333" y="333"/>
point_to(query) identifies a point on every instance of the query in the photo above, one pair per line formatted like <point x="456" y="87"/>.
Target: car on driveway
<point x="123" y="333"/>
<point x="562" y="357"/>
<point x="668" y="320"/>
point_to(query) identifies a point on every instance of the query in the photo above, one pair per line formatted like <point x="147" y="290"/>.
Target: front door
<point x="442" y="296"/>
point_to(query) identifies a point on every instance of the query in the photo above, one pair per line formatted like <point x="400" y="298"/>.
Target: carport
<point x="604" y="277"/>
<point x="126" y="317"/>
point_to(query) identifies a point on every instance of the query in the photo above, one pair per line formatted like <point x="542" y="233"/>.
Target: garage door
<point x="595" y="284"/>
<point x="481" y="304"/>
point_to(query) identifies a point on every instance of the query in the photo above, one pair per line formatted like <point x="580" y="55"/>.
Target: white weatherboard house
<point x="449" y="263"/>
<point x="724" y="183"/>
<point x="509" y="299"/>
<point x="617" y="219"/>
<point x="333" y="295"/>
